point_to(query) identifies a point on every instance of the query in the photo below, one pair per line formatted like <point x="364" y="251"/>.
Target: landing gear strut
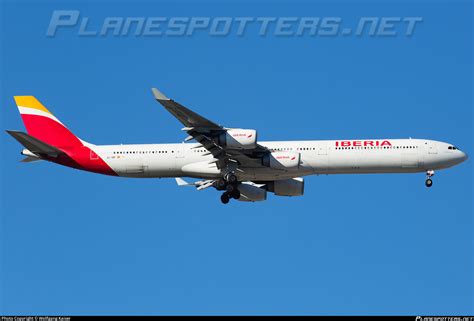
<point x="429" y="181"/>
<point x="230" y="178"/>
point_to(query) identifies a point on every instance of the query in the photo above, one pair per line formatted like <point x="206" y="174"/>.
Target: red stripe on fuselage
<point x="77" y="154"/>
<point x="86" y="159"/>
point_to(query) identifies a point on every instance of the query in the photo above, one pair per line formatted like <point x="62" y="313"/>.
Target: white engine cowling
<point x="287" y="187"/>
<point x="282" y="160"/>
<point x="250" y="192"/>
<point x="238" y="138"/>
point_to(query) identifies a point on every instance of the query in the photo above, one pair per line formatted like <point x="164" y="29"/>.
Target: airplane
<point x="231" y="160"/>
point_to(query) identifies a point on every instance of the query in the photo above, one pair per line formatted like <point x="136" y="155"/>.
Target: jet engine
<point x="282" y="160"/>
<point x="250" y="192"/>
<point x="238" y="138"/>
<point x="287" y="187"/>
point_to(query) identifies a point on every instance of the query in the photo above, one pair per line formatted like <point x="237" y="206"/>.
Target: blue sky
<point x="79" y="243"/>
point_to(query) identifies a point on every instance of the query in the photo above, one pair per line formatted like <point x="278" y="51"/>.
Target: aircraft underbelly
<point x="269" y="174"/>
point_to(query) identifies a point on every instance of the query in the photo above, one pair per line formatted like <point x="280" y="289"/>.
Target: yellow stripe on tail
<point x="30" y="102"/>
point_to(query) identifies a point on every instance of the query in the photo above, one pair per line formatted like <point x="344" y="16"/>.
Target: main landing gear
<point x="225" y="198"/>
<point x="229" y="183"/>
<point x="429" y="181"/>
<point x="230" y="178"/>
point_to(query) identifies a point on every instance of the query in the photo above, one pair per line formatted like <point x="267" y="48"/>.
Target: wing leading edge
<point x="187" y="117"/>
<point x="207" y="133"/>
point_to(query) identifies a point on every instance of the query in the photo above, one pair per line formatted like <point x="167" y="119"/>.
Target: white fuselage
<point x="316" y="157"/>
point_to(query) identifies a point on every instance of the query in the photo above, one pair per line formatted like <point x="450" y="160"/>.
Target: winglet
<point x="159" y="95"/>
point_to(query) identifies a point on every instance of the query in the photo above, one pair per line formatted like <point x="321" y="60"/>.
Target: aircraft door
<point x="180" y="154"/>
<point x="319" y="162"/>
<point x="432" y="148"/>
<point x="410" y="160"/>
<point x="93" y="155"/>
<point x="322" y="149"/>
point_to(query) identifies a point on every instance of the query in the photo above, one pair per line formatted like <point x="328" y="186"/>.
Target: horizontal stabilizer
<point x="35" y="145"/>
<point x="182" y="182"/>
<point x="200" y="185"/>
<point x="30" y="159"/>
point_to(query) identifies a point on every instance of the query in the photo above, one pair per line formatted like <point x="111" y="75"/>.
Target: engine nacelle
<point x="250" y="192"/>
<point x="287" y="187"/>
<point x="238" y="138"/>
<point x="282" y="160"/>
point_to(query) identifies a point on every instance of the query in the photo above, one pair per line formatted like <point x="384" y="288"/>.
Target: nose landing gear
<point x="429" y="181"/>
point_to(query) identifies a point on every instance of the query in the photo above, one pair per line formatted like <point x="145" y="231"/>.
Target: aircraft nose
<point x="463" y="156"/>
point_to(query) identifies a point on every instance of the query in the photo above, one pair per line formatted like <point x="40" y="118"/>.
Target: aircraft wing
<point x="206" y="132"/>
<point x="187" y="117"/>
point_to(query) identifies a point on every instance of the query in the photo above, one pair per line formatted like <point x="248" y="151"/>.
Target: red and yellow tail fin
<point x="41" y="124"/>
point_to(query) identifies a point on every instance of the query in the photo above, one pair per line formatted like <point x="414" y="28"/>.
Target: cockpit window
<point x="452" y="147"/>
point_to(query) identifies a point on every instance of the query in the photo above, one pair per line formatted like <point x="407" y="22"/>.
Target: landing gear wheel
<point x="429" y="174"/>
<point x="231" y="178"/>
<point x="428" y="182"/>
<point x="220" y="184"/>
<point x="225" y="198"/>
<point x="235" y="194"/>
<point x="230" y="188"/>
